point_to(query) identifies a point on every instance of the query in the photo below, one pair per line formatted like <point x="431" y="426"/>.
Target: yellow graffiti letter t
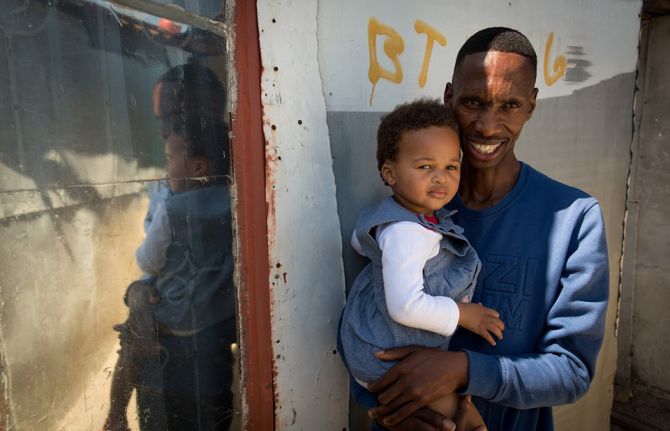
<point x="432" y="35"/>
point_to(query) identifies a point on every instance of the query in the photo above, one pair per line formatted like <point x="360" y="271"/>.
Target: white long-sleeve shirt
<point x="152" y="253"/>
<point x="406" y="247"/>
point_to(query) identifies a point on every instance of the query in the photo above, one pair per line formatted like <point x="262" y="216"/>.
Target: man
<point x="545" y="265"/>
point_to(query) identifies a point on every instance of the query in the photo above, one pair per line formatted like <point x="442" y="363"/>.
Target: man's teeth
<point x="485" y="149"/>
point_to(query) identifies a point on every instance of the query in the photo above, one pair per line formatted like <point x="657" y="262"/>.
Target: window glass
<point x="116" y="266"/>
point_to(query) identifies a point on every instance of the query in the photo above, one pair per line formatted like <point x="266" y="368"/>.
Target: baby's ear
<point x="388" y="174"/>
<point x="201" y="167"/>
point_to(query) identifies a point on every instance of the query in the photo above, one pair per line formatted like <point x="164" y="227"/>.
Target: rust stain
<point x="270" y="178"/>
<point x="271" y="159"/>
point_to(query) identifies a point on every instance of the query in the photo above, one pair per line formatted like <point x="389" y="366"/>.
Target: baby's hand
<point x="481" y="320"/>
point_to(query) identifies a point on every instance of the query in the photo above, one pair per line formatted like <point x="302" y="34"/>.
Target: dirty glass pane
<point x="117" y="302"/>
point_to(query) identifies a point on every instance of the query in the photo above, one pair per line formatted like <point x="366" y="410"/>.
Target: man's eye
<point x="471" y="103"/>
<point x="512" y="105"/>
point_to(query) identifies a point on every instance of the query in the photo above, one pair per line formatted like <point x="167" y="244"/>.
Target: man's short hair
<point x="207" y="139"/>
<point x="501" y="39"/>
<point x="419" y="114"/>
<point x="194" y="91"/>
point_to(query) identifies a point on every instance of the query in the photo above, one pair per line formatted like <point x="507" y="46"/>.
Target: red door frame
<point x="248" y="146"/>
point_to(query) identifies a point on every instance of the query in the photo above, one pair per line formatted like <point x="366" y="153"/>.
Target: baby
<point x="417" y="288"/>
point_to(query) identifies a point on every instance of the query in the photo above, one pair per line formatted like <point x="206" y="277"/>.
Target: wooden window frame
<point x="248" y="147"/>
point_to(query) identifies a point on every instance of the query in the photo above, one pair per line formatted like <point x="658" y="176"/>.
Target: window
<point x="117" y="216"/>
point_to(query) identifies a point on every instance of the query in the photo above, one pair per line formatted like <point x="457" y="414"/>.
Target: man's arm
<point x="423" y="419"/>
<point x="564" y="366"/>
<point x="561" y="370"/>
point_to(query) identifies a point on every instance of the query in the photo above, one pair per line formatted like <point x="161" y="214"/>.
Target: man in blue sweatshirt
<point x="545" y="265"/>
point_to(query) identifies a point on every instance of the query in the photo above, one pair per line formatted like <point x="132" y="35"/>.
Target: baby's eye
<point x="425" y="167"/>
<point x="452" y="168"/>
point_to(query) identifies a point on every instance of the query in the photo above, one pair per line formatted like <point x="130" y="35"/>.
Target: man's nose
<point x="488" y="123"/>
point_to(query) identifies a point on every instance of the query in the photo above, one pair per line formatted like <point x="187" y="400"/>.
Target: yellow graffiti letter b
<point x="393" y="47"/>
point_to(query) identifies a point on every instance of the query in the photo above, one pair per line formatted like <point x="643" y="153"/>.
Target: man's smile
<point x="484" y="146"/>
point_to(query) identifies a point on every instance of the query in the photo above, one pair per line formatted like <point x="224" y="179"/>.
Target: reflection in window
<point x="116" y="267"/>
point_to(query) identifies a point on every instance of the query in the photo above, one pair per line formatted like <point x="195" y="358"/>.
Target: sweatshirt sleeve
<point x="564" y="366"/>
<point x="152" y="253"/>
<point x="406" y="246"/>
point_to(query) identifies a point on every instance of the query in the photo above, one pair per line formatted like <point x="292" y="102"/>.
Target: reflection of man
<point x="545" y="265"/>
<point x="188" y="90"/>
<point x="195" y="314"/>
<point x="187" y="303"/>
<point x="191" y="256"/>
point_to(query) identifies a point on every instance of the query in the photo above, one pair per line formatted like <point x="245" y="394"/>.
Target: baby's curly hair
<point x="419" y="114"/>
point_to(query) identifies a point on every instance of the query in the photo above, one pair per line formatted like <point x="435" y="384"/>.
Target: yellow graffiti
<point x="560" y="63"/>
<point x="393" y="47"/>
<point x="432" y="35"/>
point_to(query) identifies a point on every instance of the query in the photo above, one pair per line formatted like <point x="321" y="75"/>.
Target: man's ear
<point x="533" y="101"/>
<point x="448" y="94"/>
<point x="388" y="173"/>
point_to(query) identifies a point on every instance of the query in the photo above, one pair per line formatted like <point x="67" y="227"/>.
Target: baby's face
<point x="178" y="166"/>
<point x="427" y="169"/>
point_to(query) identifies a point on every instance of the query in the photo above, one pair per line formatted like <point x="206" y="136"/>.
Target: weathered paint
<point x="306" y="275"/>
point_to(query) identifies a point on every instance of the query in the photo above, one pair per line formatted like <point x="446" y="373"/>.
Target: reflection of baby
<point x="195" y="175"/>
<point x="189" y="249"/>
<point x="423" y="271"/>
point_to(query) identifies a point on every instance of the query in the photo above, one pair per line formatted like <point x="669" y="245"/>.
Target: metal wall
<point x="644" y="343"/>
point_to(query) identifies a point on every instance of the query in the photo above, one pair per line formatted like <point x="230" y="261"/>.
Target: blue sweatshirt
<point x="545" y="270"/>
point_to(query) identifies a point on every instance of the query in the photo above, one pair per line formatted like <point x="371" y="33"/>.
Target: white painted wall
<point x="307" y="278"/>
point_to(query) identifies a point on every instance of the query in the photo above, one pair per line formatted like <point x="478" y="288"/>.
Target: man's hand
<point x="467" y="417"/>
<point x="422" y="376"/>
<point x="423" y="419"/>
<point x="481" y="320"/>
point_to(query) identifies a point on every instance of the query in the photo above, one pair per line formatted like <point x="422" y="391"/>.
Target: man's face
<point x="178" y="166"/>
<point x="493" y="96"/>
<point x="167" y="107"/>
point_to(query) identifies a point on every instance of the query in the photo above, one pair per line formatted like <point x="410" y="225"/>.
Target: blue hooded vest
<point x="196" y="284"/>
<point x="366" y="325"/>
